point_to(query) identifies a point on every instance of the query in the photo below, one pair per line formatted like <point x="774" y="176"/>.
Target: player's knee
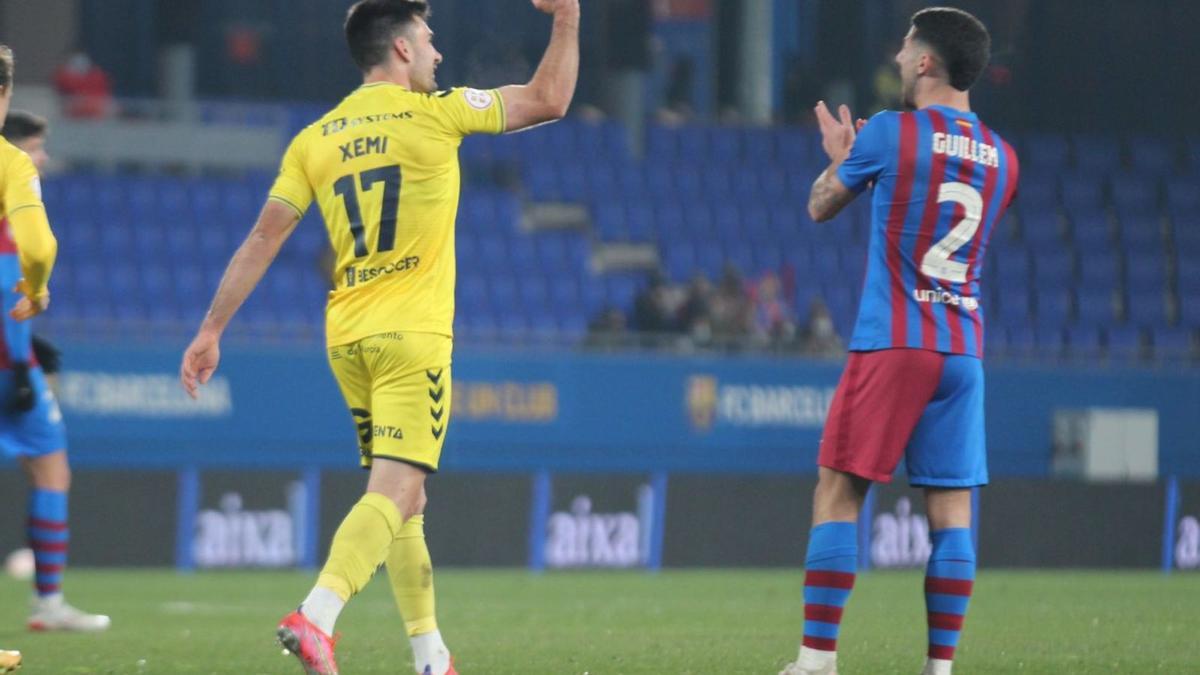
<point x="50" y="472"/>
<point x="838" y="496"/>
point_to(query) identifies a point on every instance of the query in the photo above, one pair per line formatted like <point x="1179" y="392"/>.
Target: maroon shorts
<point x="895" y="403"/>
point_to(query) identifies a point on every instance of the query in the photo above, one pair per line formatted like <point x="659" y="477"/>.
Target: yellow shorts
<point x="397" y="386"/>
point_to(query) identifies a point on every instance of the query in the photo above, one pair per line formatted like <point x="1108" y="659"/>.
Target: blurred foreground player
<point x="30" y="423"/>
<point x="383" y="169"/>
<point x="913" y="383"/>
<point x="9" y="661"/>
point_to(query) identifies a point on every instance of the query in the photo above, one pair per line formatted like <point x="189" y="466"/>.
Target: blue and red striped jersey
<point x="16" y="337"/>
<point x="942" y="181"/>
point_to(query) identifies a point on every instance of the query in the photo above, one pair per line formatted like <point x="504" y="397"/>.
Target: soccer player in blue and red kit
<point x="913" y="384"/>
<point x="31" y="427"/>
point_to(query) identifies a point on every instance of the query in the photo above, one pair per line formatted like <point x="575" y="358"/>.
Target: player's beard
<point x="428" y="82"/>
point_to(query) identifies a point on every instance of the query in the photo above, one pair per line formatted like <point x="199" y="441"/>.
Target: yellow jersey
<point x="383" y="169"/>
<point x="19" y="186"/>
<point x="26" y="233"/>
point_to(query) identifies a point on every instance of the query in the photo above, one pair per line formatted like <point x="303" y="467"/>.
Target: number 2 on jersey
<point x="937" y="262"/>
<point x="346" y="188"/>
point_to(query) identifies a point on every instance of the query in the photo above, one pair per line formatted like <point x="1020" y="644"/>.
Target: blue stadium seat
<point x="620" y="289"/>
<point x="117" y="239"/>
<point x="502" y="291"/>
<point x="639" y="222"/>
<point x="1173" y="343"/>
<point x="724" y="145"/>
<point x="632" y="182"/>
<point x="1014" y="308"/>
<point x="572" y="327"/>
<point x="1046" y="152"/>
<point x="1151" y="155"/>
<point x="1081" y="190"/>
<point x="1132" y="192"/>
<point x="1099" y="270"/>
<point x="687" y="183"/>
<point x="1142" y="234"/>
<point x="1125" y="342"/>
<point x="1092" y="235"/>
<point x="541" y="183"/>
<point x="564" y="293"/>
<point x="602" y="180"/>
<point x="472" y="292"/>
<point x="533" y="292"/>
<point x="758" y="146"/>
<point x="679" y="262"/>
<point x="793" y="147"/>
<point x="1038" y="193"/>
<point x="1188" y="275"/>
<point x="1097" y="154"/>
<point x="480" y="326"/>
<point x="715" y="181"/>
<point x="1183" y="193"/>
<point x="1094" y="306"/>
<point x="1189" y="310"/>
<point x="1041" y="229"/>
<point x="594" y="297"/>
<point x="522" y="253"/>
<point x="1083" y="340"/>
<point x="660" y="178"/>
<point x="493" y="251"/>
<point x="1012" y="265"/>
<point x="1145" y="274"/>
<point x="1146" y="309"/>
<point x="1053" y="307"/>
<point x="1053" y="268"/>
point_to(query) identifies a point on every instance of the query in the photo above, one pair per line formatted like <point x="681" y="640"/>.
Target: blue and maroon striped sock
<point x="949" y="578"/>
<point x="48" y="537"/>
<point x="829" y="575"/>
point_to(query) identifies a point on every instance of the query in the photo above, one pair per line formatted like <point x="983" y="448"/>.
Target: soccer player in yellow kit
<point x="21" y="205"/>
<point x="383" y="169"/>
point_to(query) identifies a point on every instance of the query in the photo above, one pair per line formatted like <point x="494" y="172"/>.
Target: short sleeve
<point x="869" y="156"/>
<point x="22" y="188"/>
<point x="292" y="186"/>
<point x="465" y="111"/>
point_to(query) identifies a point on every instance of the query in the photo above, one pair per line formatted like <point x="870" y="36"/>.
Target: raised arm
<point x="829" y="195"/>
<point x="245" y="270"/>
<point x="548" y="95"/>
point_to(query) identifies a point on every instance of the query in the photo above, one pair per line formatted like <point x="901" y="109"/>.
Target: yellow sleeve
<point x="465" y="111"/>
<point x="36" y="246"/>
<point x="22" y="189"/>
<point x="291" y="186"/>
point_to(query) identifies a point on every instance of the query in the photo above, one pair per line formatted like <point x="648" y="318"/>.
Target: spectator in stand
<point x="774" y="318"/>
<point x="819" y="337"/>
<point x="695" y="314"/>
<point x="607" y="330"/>
<point x="651" y="308"/>
<point x="732" y="314"/>
<point x="85" y="88"/>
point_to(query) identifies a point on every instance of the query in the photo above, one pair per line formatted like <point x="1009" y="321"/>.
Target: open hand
<point x="29" y="305"/>
<point x="837" y="134"/>
<point x="199" y="362"/>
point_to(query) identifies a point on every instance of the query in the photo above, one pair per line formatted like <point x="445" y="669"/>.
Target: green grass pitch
<point x="718" y="622"/>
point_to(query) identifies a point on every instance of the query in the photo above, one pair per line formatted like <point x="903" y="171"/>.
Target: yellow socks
<point x="411" y="574"/>
<point x="360" y="545"/>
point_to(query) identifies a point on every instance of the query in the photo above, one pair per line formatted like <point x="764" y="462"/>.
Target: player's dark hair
<point x="960" y="40"/>
<point x="371" y="25"/>
<point x="6" y="67"/>
<point x="20" y="125"/>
